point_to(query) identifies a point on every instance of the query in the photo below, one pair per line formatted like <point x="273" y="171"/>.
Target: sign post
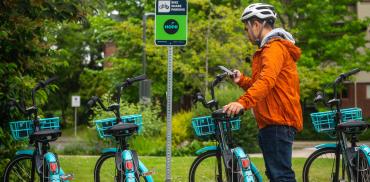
<point x="171" y="26"/>
<point x="76" y="103"/>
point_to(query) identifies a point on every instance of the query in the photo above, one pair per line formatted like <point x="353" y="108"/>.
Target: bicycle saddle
<point x="123" y="129"/>
<point x="353" y="127"/>
<point x="220" y="115"/>
<point x="46" y="135"/>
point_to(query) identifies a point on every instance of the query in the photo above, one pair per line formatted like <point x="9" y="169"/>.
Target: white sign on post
<point x="76" y="101"/>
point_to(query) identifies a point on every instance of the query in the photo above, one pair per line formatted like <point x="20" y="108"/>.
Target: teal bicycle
<point x="128" y="167"/>
<point x="224" y="162"/>
<point x="342" y="161"/>
<point x="38" y="164"/>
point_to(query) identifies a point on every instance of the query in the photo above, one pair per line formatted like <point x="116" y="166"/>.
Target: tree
<point x="26" y="55"/>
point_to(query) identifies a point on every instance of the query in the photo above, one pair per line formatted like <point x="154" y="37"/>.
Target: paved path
<point x="305" y="148"/>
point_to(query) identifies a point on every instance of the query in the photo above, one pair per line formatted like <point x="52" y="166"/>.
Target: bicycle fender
<point x="50" y="158"/>
<point x="364" y="148"/>
<point x="326" y="145"/>
<point x="255" y="170"/>
<point x="142" y="170"/>
<point x="206" y="149"/>
<point x="109" y="150"/>
<point x="247" y="173"/>
<point x="24" y="152"/>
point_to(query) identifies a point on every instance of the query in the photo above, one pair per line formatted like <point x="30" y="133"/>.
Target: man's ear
<point x="256" y="24"/>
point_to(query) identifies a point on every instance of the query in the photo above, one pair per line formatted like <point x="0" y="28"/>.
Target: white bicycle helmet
<point x="259" y="10"/>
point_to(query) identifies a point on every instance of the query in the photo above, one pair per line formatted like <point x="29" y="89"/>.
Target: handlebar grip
<point x="13" y="103"/>
<point x="343" y="76"/>
<point x="354" y="71"/>
<point x="319" y="97"/>
<point x="136" y="79"/>
<point x="45" y="83"/>
<point x="90" y="103"/>
<point x="52" y="79"/>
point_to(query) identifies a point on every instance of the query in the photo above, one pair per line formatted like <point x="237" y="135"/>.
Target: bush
<point x="181" y="127"/>
<point x="152" y="122"/>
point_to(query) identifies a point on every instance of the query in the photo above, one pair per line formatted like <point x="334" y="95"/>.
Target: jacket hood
<point x="286" y="38"/>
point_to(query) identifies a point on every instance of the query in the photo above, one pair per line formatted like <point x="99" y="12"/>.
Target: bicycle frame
<point x="224" y="142"/>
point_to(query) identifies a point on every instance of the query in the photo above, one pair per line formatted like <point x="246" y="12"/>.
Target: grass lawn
<point x="82" y="167"/>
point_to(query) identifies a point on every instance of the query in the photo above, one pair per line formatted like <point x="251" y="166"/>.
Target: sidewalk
<point x="303" y="149"/>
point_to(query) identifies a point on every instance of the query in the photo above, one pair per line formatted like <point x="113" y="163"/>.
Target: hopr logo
<point x="171" y="26"/>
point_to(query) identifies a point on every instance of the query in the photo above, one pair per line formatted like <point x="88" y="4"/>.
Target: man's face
<point x="253" y="27"/>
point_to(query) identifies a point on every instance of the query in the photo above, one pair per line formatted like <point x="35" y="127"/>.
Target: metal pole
<point x="355" y="90"/>
<point x="75" y="121"/>
<point x="144" y="43"/>
<point x="144" y="39"/>
<point x="169" y="114"/>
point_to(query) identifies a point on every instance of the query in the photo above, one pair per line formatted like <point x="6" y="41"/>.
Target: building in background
<point x="357" y="93"/>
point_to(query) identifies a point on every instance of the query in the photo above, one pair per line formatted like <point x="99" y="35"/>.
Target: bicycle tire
<point x="363" y="169"/>
<point x="319" y="157"/>
<point x="219" y="168"/>
<point x="111" y="167"/>
<point x="25" y="174"/>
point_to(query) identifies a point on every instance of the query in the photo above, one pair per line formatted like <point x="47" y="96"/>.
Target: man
<point x="272" y="92"/>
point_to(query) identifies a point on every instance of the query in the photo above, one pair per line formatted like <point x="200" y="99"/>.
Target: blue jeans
<point x="276" y="142"/>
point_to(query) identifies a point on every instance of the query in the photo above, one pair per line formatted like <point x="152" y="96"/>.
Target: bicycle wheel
<point x="105" y="170"/>
<point x="209" y="167"/>
<point x="20" y="169"/>
<point x="363" y="170"/>
<point x="320" y="166"/>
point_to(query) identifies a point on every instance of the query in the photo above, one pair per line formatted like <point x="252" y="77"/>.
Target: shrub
<point x="181" y="127"/>
<point x="152" y="122"/>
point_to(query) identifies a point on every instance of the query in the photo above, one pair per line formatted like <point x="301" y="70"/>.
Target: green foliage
<point x="181" y="127"/>
<point x="26" y="56"/>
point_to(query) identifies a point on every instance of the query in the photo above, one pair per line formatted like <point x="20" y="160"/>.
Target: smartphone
<point x="229" y="72"/>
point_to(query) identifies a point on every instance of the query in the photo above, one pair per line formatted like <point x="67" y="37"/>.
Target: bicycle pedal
<point x="147" y="173"/>
<point x="66" y="177"/>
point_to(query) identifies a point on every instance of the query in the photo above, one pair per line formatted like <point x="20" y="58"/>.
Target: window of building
<point x="368" y="91"/>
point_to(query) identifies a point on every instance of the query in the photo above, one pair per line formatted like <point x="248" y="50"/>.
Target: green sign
<point x="171" y="22"/>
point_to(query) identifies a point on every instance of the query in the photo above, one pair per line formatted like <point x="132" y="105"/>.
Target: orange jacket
<point x="273" y="90"/>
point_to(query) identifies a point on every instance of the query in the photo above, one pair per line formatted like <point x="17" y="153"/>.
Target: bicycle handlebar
<point x="213" y="103"/>
<point x="115" y="108"/>
<point x="130" y="81"/>
<point x="45" y="83"/>
<point x="33" y="108"/>
<point x="344" y="76"/>
<point x="136" y="79"/>
<point x="91" y="103"/>
<point x="320" y="95"/>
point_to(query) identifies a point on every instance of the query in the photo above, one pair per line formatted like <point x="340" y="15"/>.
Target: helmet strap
<point x="258" y="38"/>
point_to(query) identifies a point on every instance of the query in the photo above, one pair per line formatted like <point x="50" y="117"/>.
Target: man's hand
<point x="237" y="76"/>
<point x="233" y="108"/>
